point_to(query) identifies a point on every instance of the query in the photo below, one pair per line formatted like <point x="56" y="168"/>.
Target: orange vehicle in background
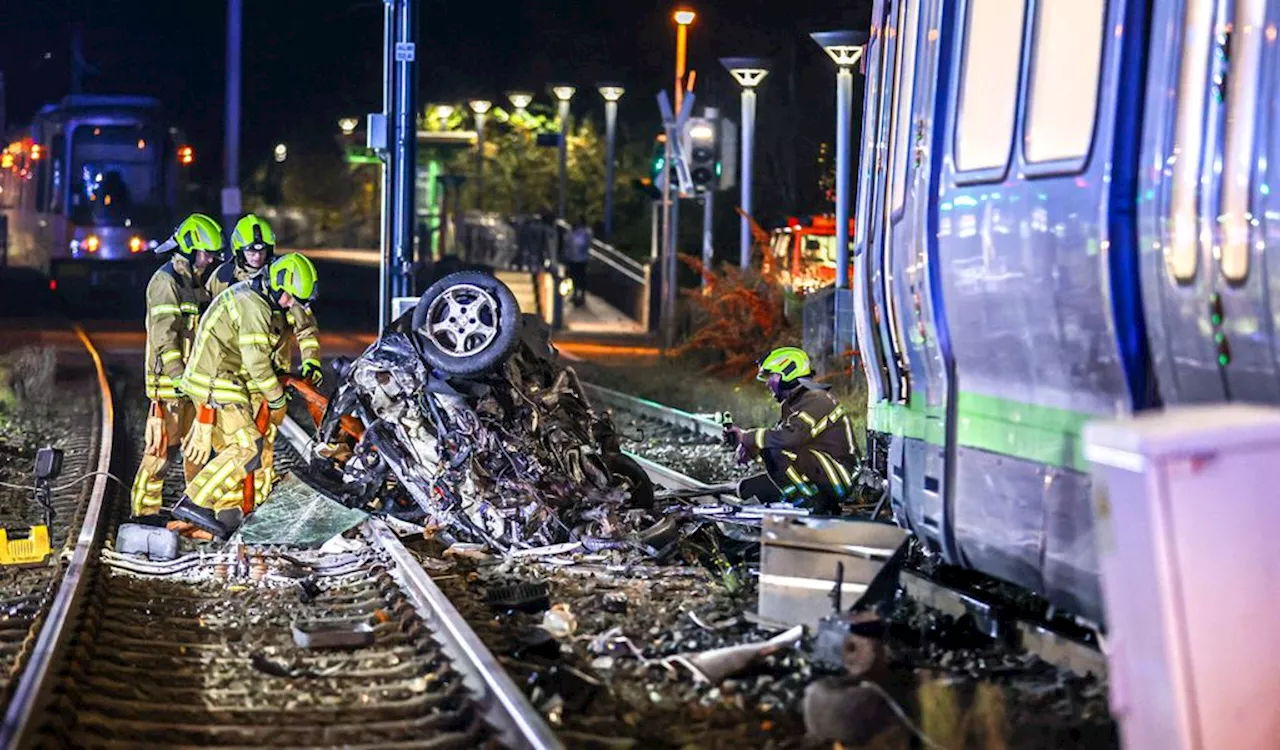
<point x="803" y="253"/>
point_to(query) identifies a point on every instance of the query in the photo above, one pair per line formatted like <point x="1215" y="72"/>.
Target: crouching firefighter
<point x="174" y="300"/>
<point x="810" y="457"/>
<point x="253" y="249"/>
<point x="232" y="358"/>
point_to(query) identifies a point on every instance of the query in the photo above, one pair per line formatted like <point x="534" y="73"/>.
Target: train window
<point x="1242" y="112"/>
<point x="902" y="93"/>
<point x="42" y="168"/>
<point x="1183" y="249"/>
<point x="989" y="84"/>
<point x="1064" y="79"/>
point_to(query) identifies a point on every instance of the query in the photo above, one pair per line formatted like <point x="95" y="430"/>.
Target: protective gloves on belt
<point x="197" y="446"/>
<point x="313" y="371"/>
<point x="156" y="441"/>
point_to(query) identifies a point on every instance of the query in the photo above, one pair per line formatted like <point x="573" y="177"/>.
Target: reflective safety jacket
<point x="297" y="318"/>
<point x="233" y="351"/>
<point x="174" y="300"/>
<point x="812" y="420"/>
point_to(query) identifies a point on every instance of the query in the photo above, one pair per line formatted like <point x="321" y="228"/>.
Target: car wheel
<point x="630" y="474"/>
<point x="468" y="323"/>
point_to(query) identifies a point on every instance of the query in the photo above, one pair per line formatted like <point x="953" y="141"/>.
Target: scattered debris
<point x="559" y="621"/>
<point x="156" y="543"/>
<point x="717" y="664"/>
<point x="332" y="634"/>
<point x="522" y="597"/>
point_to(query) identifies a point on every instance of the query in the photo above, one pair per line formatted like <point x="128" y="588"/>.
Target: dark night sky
<point x="307" y="62"/>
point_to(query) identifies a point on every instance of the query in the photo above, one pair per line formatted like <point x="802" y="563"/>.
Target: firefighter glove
<point x="743" y="457"/>
<point x="198" y="444"/>
<point x="313" y="371"/>
<point x="154" y="432"/>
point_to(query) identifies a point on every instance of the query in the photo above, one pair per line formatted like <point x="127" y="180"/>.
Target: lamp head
<point x="611" y="92"/>
<point x="684" y="16"/>
<point x="747" y="71"/>
<point x="844" y="47"/>
<point x="563" y="92"/>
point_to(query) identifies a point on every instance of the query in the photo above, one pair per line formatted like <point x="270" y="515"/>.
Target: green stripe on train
<point x="1042" y="434"/>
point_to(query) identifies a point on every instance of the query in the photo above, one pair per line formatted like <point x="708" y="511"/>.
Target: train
<point x="92" y="180"/>
<point x="1064" y="214"/>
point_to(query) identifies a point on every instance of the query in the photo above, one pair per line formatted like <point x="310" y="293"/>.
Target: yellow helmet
<point x="293" y="273"/>
<point x="789" y="362"/>
<point x="198" y="232"/>
<point x="252" y="233"/>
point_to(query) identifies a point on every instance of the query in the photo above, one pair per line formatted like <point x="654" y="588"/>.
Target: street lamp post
<point x="748" y="72"/>
<point x="611" y="93"/>
<point x="563" y="94"/>
<point x="670" y="198"/>
<point x="480" y="107"/>
<point x="845" y="48"/>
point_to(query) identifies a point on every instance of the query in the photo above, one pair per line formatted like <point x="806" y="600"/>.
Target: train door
<point x="1181" y="186"/>
<point x="1039" y="125"/>
<point x="917" y="481"/>
<point x="865" y="314"/>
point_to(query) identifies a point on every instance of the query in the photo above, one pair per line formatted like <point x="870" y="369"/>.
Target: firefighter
<point x="232" y="358"/>
<point x="174" y="300"/>
<point x="809" y="456"/>
<point x="253" y="248"/>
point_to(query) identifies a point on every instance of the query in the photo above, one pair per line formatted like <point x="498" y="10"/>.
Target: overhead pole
<point x="406" y="143"/>
<point x="231" y="145"/>
<point x="845" y="49"/>
<point x="748" y="72"/>
<point x="387" y="224"/>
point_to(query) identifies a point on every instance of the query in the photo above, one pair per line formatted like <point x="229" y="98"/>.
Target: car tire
<point x="468" y="323"/>
<point x="626" y="469"/>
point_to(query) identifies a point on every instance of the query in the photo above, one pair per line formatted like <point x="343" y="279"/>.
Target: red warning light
<point x="186" y="155"/>
<point x="53" y="285"/>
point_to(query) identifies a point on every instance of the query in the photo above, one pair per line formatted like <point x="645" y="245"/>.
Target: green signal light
<point x="1216" y="319"/>
<point x="1223" y="360"/>
<point x="1219" y="337"/>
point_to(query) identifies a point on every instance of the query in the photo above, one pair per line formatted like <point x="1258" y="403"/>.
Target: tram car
<point x="92" y="179"/>
<point x="1072" y="220"/>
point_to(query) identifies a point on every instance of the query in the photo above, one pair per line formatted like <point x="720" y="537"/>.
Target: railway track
<point x="232" y="646"/>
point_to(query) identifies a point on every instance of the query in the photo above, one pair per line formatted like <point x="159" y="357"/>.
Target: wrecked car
<point x="461" y="417"/>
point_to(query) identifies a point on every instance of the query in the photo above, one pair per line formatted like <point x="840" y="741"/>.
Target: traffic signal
<point x="700" y="146"/>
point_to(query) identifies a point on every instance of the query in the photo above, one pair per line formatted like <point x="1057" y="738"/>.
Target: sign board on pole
<point x="405" y="51"/>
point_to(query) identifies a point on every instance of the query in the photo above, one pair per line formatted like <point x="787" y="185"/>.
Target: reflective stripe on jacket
<point x="298" y="318"/>
<point x="174" y="300"/>
<point x="234" y="350"/>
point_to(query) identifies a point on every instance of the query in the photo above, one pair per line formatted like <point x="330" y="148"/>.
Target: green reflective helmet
<point x="293" y="273"/>
<point x="789" y="362"/>
<point x="252" y="233"/>
<point x="198" y="232"/>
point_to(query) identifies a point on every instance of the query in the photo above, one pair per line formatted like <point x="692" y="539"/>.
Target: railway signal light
<point x="186" y="155"/>
<point x="700" y="146"/>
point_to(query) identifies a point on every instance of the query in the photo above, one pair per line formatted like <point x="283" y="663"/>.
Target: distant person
<point x="576" y="256"/>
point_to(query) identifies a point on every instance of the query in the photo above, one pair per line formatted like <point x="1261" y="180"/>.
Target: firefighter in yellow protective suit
<point x="809" y="456"/>
<point x="253" y="245"/>
<point x="233" y="351"/>
<point x="174" y="300"/>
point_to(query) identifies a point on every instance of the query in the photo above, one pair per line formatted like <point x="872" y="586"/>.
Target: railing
<point x="615" y="277"/>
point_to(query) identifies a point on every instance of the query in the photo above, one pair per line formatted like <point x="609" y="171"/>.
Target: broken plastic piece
<point x="559" y="621"/>
<point x="524" y="597"/>
<point x="29" y="551"/>
<point x="156" y="543"/>
<point x="718" y="664"/>
<point x="339" y="634"/>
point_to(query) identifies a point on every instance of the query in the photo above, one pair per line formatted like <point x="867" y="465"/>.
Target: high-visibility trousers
<point x="148" y="484"/>
<point x="804" y="476"/>
<point x="239" y="445"/>
<point x="256" y="487"/>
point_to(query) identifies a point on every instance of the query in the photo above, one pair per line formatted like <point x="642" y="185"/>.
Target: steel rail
<point x="35" y="680"/>
<point x="652" y="409"/>
<point x="518" y="723"/>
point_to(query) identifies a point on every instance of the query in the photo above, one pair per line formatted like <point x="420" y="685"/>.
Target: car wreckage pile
<point x="466" y="422"/>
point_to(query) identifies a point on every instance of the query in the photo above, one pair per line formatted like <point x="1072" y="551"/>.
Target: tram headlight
<point x="136" y="245"/>
<point x="91" y="243"/>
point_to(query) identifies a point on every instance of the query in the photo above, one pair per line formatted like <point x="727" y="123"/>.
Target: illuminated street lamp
<point x="480" y="107"/>
<point x="845" y="48"/>
<point x="683" y="17"/>
<point x="748" y="72"/>
<point x="281" y="152"/>
<point x="348" y="125"/>
<point x="563" y="93"/>
<point x="611" y="93"/>
<point x="520" y="100"/>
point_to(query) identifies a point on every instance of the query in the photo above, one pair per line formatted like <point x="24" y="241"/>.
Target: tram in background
<point x="93" y="182"/>
<point x="1073" y="221"/>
